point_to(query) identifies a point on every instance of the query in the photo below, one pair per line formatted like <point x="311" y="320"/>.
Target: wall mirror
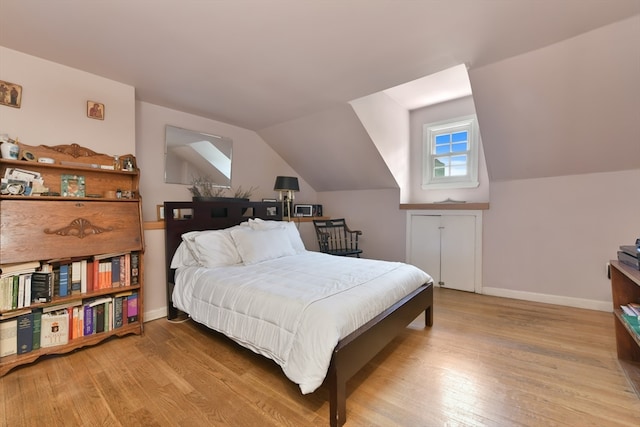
<point x="190" y="155"/>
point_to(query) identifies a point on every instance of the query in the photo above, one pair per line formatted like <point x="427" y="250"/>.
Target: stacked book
<point x="630" y="255"/>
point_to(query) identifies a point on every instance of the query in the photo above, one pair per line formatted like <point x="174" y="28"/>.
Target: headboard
<point x="182" y="217"/>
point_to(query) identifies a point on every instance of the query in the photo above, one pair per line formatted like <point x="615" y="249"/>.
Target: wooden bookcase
<point x="54" y="227"/>
<point x="625" y="288"/>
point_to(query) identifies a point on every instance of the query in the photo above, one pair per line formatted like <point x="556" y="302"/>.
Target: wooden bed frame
<point x="352" y="352"/>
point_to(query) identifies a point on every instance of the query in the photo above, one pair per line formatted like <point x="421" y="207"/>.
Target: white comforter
<point x="294" y="309"/>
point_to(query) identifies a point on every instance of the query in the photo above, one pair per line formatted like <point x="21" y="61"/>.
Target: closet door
<point x="444" y="247"/>
<point x="457" y="252"/>
<point x="424" y="251"/>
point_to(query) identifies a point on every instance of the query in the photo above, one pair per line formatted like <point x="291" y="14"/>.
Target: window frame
<point x="429" y="132"/>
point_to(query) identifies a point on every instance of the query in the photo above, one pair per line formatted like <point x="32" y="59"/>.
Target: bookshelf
<point x="98" y="223"/>
<point x="625" y="288"/>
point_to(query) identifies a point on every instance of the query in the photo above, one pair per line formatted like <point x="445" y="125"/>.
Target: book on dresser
<point x="25" y="333"/>
<point x="54" y="327"/>
<point x="70" y="266"/>
<point x="8" y="337"/>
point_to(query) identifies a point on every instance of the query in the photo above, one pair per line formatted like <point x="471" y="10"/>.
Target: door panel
<point x="457" y="252"/>
<point x="425" y="244"/>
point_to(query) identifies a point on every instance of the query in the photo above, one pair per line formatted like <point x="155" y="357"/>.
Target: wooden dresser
<point x="90" y="216"/>
<point x="625" y="289"/>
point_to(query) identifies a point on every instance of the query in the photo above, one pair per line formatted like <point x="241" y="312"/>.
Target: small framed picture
<point x="269" y="200"/>
<point x="10" y="94"/>
<point x="272" y="211"/>
<point x="160" y="212"/>
<point x="95" y="110"/>
<point x="72" y="185"/>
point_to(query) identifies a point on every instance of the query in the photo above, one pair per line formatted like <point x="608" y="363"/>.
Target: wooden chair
<point x="335" y="237"/>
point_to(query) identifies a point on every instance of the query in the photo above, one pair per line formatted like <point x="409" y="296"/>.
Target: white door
<point x="424" y="251"/>
<point x="444" y="247"/>
<point x="457" y="252"/>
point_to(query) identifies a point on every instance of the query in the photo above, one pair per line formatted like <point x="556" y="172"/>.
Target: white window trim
<point x="429" y="182"/>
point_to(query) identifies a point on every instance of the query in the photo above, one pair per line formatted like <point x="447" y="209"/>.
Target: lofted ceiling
<point x="287" y="69"/>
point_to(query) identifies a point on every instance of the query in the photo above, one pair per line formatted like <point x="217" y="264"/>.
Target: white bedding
<point x="294" y="309"/>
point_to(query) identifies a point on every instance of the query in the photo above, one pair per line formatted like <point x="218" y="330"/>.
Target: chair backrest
<point x="335" y="237"/>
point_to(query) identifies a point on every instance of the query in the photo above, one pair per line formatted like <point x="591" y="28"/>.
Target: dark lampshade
<point x="284" y="183"/>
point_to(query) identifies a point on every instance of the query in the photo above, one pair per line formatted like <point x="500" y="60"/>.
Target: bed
<point x="229" y="281"/>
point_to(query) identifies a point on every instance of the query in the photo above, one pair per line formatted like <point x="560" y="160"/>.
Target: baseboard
<point x="549" y="299"/>
<point x="155" y="314"/>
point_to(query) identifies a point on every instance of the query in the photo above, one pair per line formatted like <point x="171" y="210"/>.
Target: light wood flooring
<point x="487" y="361"/>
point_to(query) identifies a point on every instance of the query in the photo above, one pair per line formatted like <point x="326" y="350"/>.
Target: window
<point x="450" y="154"/>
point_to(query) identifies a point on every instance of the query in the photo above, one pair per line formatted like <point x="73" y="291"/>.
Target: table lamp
<point x="286" y="185"/>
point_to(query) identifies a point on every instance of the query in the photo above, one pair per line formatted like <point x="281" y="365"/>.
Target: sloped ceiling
<point x="571" y="108"/>
<point x="332" y="150"/>
<point x="288" y="68"/>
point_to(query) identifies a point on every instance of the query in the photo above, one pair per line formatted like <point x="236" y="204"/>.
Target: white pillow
<point x="255" y="246"/>
<point x="290" y="227"/>
<point x="183" y="257"/>
<point x="216" y="248"/>
<point x="189" y="241"/>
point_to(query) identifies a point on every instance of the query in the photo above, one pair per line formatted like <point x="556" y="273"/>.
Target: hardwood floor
<point x="487" y="361"/>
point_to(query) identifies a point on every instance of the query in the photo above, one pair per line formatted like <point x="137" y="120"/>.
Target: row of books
<point x="22" y="286"/>
<point x="26" y="330"/>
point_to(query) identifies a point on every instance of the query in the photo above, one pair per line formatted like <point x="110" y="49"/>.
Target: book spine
<point x="36" y="321"/>
<point x="127" y="260"/>
<point x="132" y="308"/>
<point x="99" y="318"/>
<point x="21" y="291"/>
<point x="27" y="290"/>
<point x="74" y="324"/>
<point x="63" y="285"/>
<point x="25" y="333"/>
<point x="76" y="277"/>
<point x="90" y="272"/>
<point x="14" y="292"/>
<point x="88" y="320"/>
<point x="125" y="310"/>
<point x="41" y="287"/>
<point x="83" y="276"/>
<point x="135" y="264"/>
<point x="8" y="337"/>
<point x="96" y="274"/>
<point x="6" y="283"/>
<point x="115" y="272"/>
<point x="117" y="312"/>
<point x="123" y="268"/>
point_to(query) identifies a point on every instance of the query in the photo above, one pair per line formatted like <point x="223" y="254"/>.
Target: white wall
<point x="387" y="123"/>
<point x="255" y="164"/>
<point x="548" y="239"/>
<point x="54" y="106"/>
<point x="377" y="214"/>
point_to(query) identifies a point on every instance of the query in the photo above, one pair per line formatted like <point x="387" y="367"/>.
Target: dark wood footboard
<point x="359" y="347"/>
